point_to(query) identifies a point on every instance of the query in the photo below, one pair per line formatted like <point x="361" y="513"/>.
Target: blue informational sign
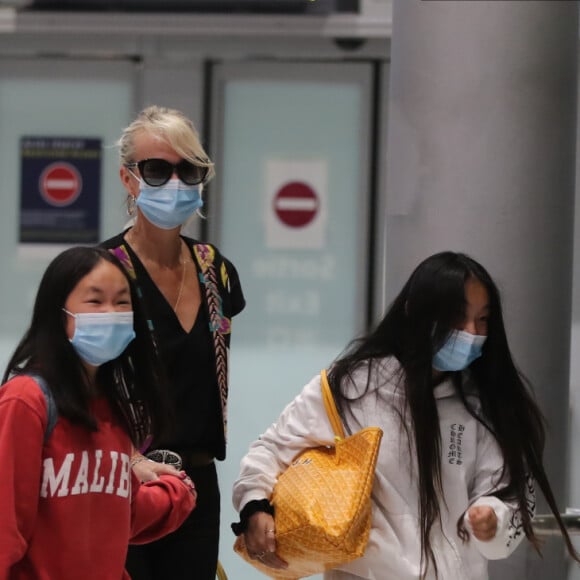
<point x="60" y="190"/>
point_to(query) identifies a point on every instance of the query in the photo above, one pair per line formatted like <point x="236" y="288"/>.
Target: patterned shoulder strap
<point x="218" y="324"/>
<point x="123" y="255"/>
<point x="144" y="435"/>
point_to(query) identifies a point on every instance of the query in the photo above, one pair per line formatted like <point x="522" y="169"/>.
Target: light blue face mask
<point x="169" y="205"/>
<point x="459" y="351"/>
<point x="101" y="336"/>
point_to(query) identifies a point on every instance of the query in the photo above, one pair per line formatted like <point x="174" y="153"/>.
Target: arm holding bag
<point x="322" y="501"/>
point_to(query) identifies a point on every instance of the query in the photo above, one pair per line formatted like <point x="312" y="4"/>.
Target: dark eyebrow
<point x="98" y="290"/>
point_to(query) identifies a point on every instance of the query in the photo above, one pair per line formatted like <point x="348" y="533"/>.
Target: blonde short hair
<point x="174" y="128"/>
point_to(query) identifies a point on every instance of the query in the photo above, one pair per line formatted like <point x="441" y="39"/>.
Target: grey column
<point x="481" y="159"/>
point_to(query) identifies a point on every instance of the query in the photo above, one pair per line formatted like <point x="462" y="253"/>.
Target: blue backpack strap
<point x="51" y="410"/>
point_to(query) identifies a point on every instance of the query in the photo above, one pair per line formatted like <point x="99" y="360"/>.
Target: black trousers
<point x="191" y="552"/>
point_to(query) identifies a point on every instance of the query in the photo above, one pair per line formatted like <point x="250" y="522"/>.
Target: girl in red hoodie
<point x="69" y="501"/>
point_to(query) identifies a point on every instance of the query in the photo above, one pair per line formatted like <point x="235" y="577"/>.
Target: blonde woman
<point x="190" y="292"/>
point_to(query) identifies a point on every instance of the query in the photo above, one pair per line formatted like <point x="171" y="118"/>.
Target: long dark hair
<point x="416" y="325"/>
<point x="132" y="382"/>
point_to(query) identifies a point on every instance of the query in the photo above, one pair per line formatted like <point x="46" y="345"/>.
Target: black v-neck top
<point x="189" y="360"/>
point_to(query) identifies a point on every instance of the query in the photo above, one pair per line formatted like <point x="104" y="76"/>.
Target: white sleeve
<point x="302" y="424"/>
<point x="488" y="480"/>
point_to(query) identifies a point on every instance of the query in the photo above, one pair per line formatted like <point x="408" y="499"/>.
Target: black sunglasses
<point x="157" y="172"/>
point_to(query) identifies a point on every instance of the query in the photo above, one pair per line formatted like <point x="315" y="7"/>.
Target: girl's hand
<point x="260" y="540"/>
<point x="483" y="522"/>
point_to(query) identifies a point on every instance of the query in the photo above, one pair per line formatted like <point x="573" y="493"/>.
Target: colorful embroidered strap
<point x="218" y="323"/>
<point x="123" y="255"/>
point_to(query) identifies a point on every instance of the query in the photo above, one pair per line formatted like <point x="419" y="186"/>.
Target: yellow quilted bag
<point x="322" y="502"/>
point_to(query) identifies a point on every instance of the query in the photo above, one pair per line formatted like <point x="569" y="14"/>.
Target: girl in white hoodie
<point x="463" y="437"/>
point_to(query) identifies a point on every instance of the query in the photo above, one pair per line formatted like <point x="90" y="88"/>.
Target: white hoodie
<point x="471" y="465"/>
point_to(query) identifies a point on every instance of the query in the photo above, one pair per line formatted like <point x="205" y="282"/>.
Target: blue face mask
<point x="169" y="205"/>
<point x="101" y="336"/>
<point x="459" y="351"/>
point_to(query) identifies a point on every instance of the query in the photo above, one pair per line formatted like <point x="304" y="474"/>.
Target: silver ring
<point x="270" y="531"/>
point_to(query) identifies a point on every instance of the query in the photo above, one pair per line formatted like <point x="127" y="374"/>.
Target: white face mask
<point x="100" y="337"/>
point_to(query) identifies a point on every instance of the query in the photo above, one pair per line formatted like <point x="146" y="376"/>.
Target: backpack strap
<point x="51" y="410"/>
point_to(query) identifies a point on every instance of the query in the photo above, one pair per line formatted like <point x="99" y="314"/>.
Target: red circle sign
<point x="60" y="184"/>
<point x="296" y="204"/>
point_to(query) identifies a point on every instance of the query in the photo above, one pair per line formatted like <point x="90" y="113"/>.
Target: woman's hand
<point x="483" y="522"/>
<point x="260" y="540"/>
<point x="187" y="481"/>
<point x="147" y="470"/>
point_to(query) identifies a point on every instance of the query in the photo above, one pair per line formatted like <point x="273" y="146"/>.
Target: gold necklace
<point x="130" y="238"/>
<point x="183" y="264"/>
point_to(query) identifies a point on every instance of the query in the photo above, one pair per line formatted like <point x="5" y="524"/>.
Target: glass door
<point x="290" y="208"/>
<point x="55" y="100"/>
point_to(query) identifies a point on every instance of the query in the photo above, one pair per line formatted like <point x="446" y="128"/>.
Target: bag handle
<point x="330" y="406"/>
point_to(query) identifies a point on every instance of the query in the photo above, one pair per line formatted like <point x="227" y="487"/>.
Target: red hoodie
<point x="70" y="507"/>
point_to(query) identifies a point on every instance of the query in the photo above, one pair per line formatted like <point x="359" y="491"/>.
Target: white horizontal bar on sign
<point x="61" y="183"/>
<point x="297" y="204"/>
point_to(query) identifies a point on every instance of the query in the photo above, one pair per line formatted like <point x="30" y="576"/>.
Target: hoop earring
<point x="130" y="205"/>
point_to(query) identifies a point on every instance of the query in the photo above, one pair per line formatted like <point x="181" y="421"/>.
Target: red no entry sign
<point x="296" y="204"/>
<point x="60" y="184"/>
